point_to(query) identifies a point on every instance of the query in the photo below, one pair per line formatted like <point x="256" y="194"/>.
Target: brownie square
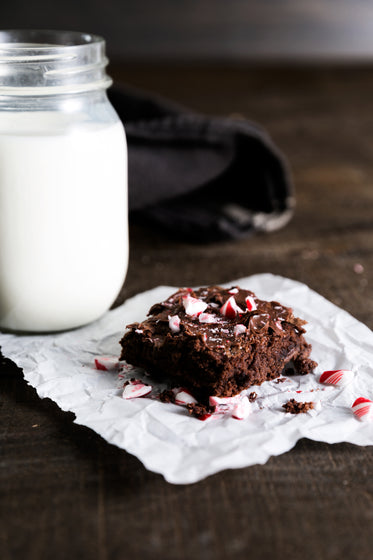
<point x="216" y="341"/>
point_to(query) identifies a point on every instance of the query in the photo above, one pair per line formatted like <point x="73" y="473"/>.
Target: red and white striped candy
<point x="184" y="397"/>
<point x="230" y="309"/>
<point x="340" y="377"/>
<point x="250" y="303"/>
<point x="239" y="329"/>
<point x="363" y="409"/>
<point x="224" y="404"/>
<point x="174" y="323"/>
<point x="207" y="318"/>
<point x="136" y="388"/>
<point x="107" y="363"/>
<point x="193" y="306"/>
<point x="242" y="409"/>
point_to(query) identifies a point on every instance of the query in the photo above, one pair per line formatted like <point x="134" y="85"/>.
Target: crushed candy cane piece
<point x="317" y="405"/>
<point x="193" y="306"/>
<point x="363" y="409"/>
<point x="223" y="401"/>
<point x="242" y="409"/>
<point x="238" y="407"/>
<point x="223" y="405"/>
<point x="136" y="388"/>
<point x="340" y="377"/>
<point x="204" y="416"/>
<point x="174" y="323"/>
<point x="107" y="363"/>
<point x="239" y="329"/>
<point x="230" y="309"/>
<point x="207" y="318"/>
<point x="250" y="303"/>
<point x="233" y="291"/>
<point x="184" y="397"/>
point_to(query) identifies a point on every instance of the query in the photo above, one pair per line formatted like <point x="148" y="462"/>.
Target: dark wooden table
<point x="67" y="494"/>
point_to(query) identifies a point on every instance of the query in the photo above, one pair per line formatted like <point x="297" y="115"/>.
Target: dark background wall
<point x="209" y="29"/>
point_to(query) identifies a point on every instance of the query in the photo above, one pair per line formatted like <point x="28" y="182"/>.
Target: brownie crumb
<point x="295" y="407"/>
<point x="167" y="396"/>
<point x="252" y="396"/>
<point x="280" y="380"/>
<point x="200" y="410"/>
<point x="305" y="365"/>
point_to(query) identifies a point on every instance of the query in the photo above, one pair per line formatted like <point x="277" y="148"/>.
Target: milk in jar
<point x="63" y="192"/>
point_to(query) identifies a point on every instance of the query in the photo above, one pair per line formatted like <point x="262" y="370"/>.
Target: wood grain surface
<point x="65" y="493"/>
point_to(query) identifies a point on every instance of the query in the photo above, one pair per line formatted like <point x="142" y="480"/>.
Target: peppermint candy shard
<point x="174" y="323"/>
<point x="340" y="377"/>
<point x="230" y="309"/>
<point x="107" y="363"/>
<point x="136" y="388"/>
<point x="242" y="409"/>
<point x="233" y="291"/>
<point x="250" y="303"/>
<point x="239" y="329"/>
<point x="224" y="405"/>
<point x="238" y="407"/>
<point x="207" y="318"/>
<point x="184" y="397"/>
<point x="204" y="417"/>
<point x="193" y="306"/>
<point x="223" y="401"/>
<point x="363" y="409"/>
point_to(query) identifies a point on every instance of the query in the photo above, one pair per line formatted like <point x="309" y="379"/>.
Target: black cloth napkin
<point x="198" y="177"/>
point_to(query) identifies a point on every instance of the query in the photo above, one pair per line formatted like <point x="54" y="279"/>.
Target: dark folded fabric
<point x="202" y="178"/>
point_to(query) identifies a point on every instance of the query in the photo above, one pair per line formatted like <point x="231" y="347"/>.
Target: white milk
<point x="63" y="220"/>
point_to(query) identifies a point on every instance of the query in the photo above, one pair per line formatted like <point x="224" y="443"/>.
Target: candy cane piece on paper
<point x="106" y="363"/>
<point x="136" y="388"/>
<point x="363" y="409"/>
<point x="339" y="377"/>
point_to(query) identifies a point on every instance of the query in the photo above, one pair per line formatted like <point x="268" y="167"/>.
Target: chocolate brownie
<point x="216" y="341"/>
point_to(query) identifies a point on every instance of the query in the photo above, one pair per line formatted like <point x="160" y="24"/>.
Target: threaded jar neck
<point x="41" y="62"/>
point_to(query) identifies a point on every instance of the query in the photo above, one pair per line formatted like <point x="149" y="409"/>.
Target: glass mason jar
<point x="63" y="182"/>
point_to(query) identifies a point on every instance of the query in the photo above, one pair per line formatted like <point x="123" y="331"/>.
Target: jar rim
<point x="45" y="62"/>
<point x="45" y="39"/>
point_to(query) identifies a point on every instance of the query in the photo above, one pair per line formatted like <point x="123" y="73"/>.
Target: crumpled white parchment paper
<point x="163" y="436"/>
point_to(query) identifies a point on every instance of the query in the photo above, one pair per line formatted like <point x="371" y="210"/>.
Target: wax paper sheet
<point x="164" y="436"/>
